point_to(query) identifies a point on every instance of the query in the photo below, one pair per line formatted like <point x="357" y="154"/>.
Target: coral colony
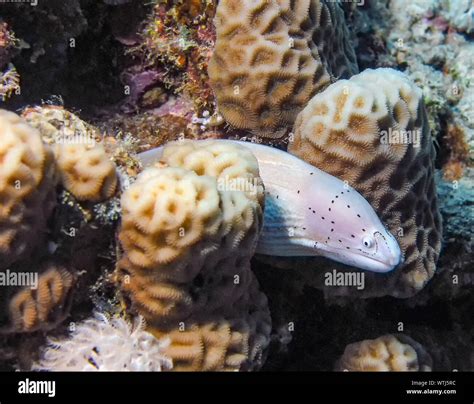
<point x="148" y="234"/>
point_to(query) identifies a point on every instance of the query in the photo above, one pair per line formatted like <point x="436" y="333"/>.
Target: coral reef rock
<point x="177" y="43"/>
<point x="27" y="187"/>
<point x="395" y="353"/>
<point x="188" y="231"/>
<point x="9" y="77"/>
<point x="371" y="131"/>
<point x="428" y="40"/>
<point x="271" y="57"/>
<point x="102" y="344"/>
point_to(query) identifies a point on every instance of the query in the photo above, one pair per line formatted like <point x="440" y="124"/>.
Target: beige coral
<point x="44" y="307"/>
<point x="27" y="187"/>
<point x="86" y="170"/>
<point x="272" y="56"/>
<point x="188" y="239"/>
<point x="210" y="343"/>
<point x="389" y="353"/>
<point x="372" y="131"/>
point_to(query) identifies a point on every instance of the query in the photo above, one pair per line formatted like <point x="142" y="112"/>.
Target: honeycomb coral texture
<point x="85" y="167"/>
<point x="26" y="187"/>
<point x="384" y="354"/>
<point x="188" y="242"/>
<point x="372" y="131"/>
<point x="45" y="307"/>
<point x="272" y="56"/>
<point x="86" y="170"/>
<point x="100" y="344"/>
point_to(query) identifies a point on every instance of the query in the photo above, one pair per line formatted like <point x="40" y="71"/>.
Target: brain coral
<point x="44" y="307"/>
<point x="27" y="182"/>
<point x="86" y="170"/>
<point x="102" y="344"/>
<point x="372" y="131"/>
<point x="188" y="232"/>
<point x="272" y="56"/>
<point x="395" y="353"/>
<point x="237" y="342"/>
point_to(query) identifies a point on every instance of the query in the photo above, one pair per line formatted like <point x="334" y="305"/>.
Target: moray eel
<point x="311" y="213"/>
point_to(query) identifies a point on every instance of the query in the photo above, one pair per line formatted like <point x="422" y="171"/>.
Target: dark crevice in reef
<point x="70" y="49"/>
<point x="323" y="328"/>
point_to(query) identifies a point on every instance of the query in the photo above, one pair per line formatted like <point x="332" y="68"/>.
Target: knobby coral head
<point x="188" y="240"/>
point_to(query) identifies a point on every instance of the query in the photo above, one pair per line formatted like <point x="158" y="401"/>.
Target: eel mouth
<point x="385" y="257"/>
<point x="375" y="264"/>
<point x="363" y="261"/>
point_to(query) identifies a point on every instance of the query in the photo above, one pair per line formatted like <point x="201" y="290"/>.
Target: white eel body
<point x="311" y="213"/>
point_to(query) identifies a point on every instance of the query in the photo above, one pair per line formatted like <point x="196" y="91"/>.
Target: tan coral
<point x="85" y="167"/>
<point x="27" y="187"/>
<point x="389" y="353"/>
<point x="165" y="212"/>
<point x="173" y="219"/>
<point x="57" y="125"/>
<point x="44" y="307"/>
<point x="213" y="343"/>
<point x="188" y="240"/>
<point x="86" y="170"/>
<point x="372" y="131"/>
<point x="272" y="56"/>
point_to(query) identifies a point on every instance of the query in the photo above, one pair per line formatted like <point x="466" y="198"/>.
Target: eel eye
<point x="368" y="242"/>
